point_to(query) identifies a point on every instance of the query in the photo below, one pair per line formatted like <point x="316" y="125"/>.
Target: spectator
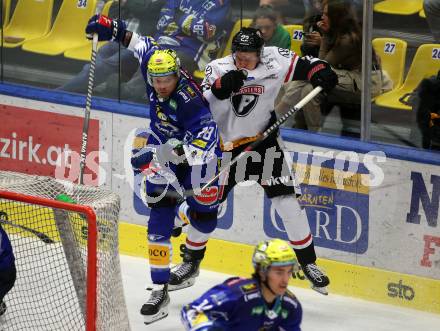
<point x="194" y="29"/>
<point x="7" y="268"/>
<point x="432" y="11"/>
<point x="426" y="110"/>
<point x="139" y="15"/>
<point x="274" y="34"/>
<point x="311" y="42"/>
<point x="283" y="7"/>
<point x="341" y="47"/>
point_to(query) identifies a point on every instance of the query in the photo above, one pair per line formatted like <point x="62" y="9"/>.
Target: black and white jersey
<point x="247" y="112"/>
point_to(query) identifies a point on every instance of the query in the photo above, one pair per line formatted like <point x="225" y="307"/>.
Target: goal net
<point x="65" y="241"/>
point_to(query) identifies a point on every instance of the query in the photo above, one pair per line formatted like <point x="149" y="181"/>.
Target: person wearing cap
<point x="260" y="302"/>
<point x="180" y="144"/>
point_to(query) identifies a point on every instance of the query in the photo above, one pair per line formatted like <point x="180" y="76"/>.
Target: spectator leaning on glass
<point x="341" y="46"/>
<point x="432" y="11"/>
<point x="194" y="29"/>
<point x="274" y="34"/>
<point x="141" y="15"/>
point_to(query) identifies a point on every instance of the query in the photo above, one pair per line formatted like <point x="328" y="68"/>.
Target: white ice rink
<point x="321" y="313"/>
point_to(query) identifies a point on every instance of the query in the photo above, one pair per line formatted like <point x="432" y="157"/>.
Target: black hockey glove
<point x="230" y="82"/>
<point x="321" y="74"/>
<point x="106" y="28"/>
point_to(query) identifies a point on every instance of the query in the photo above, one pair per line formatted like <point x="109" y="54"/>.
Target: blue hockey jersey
<point x="237" y="305"/>
<point x="185" y="115"/>
<point x="6" y="255"/>
<point x="194" y="26"/>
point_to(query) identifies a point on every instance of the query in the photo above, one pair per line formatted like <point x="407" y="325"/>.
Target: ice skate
<point x="156" y="308"/>
<point x="184" y="274"/>
<point x="316" y="277"/>
<point x="181" y="219"/>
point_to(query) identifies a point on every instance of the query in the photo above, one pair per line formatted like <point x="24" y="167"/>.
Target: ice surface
<point x="321" y="313"/>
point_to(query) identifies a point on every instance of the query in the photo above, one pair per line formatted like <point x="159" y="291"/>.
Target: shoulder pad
<point x="289" y="297"/>
<point x="186" y="92"/>
<point x="233" y="280"/>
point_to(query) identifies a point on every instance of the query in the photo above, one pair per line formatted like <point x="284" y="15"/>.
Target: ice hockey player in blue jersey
<point x="194" y="28"/>
<point x="7" y="268"/>
<point x="178" y="150"/>
<point x="262" y="302"/>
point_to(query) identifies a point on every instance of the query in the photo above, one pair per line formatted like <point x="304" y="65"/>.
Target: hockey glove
<point x="106" y="28"/>
<point x="172" y="151"/>
<point x="141" y="158"/>
<point x="230" y="82"/>
<point x="321" y="74"/>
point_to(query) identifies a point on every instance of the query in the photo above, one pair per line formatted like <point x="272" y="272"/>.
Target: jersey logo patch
<point x="244" y="101"/>
<point x="284" y="52"/>
<point x="191" y="92"/>
<point x="208" y="196"/>
<point x="247" y="288"/>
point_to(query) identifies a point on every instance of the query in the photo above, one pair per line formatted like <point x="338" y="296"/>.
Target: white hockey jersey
<point x="247" y="112"/>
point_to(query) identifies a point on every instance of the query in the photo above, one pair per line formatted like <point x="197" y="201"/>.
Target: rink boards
<point x="373" y="213"/>
<point x="346" y="279"/>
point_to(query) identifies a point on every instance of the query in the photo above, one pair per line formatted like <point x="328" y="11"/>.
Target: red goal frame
<point x="92" y="267"/>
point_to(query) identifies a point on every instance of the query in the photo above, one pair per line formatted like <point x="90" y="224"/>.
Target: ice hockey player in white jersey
<point x="241" y="89"/>
<point x="262" y="302"/>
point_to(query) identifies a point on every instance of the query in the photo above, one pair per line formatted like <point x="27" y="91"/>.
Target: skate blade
<point x="321" y="290"/>
<point x="187" y="283"/>
<point x="154" y="318"/>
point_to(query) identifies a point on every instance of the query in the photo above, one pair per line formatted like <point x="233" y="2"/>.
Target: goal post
<point x="68" y="269"/>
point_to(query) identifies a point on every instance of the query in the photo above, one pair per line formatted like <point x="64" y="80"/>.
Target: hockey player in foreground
<point x="257" y="303"/>
<point x="182" y="139"/>
<point x="8" y="272"/>
<point x="241" y="90"/>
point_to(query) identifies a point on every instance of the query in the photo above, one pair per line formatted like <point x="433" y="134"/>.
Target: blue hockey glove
<point x="140" y="158"/>
<point x="106" y="28"/>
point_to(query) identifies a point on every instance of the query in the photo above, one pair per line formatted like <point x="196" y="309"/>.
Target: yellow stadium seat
<point x="297" y="35"/>
<point x="6" y="12"/>
<point x="422" y="13"/>
<point x="67" y="31"/>
<point x="83" y="53"/>
<point x="392" y="53"/>
<point x="227" y="50"/>
<point x="399" y="7"/>
<point x="24" y="27"/>
<point x="426" y="63"/>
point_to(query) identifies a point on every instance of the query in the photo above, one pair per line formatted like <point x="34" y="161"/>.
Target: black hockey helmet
<point x="248" y="40"/>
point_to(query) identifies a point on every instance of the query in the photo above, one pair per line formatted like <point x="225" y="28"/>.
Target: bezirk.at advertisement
<point x="34" y="141"/>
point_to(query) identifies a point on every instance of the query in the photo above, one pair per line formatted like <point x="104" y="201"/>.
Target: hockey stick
<point x="251" y="147"/>
<point x="85" y="130"/>
<point x="43" y="237"/>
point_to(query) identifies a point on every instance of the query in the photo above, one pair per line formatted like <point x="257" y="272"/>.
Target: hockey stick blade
<point x="252" y="146"/>
<point x="43" y="237"/>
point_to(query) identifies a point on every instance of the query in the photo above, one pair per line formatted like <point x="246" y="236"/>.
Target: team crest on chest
<point x="245" y="100"/>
